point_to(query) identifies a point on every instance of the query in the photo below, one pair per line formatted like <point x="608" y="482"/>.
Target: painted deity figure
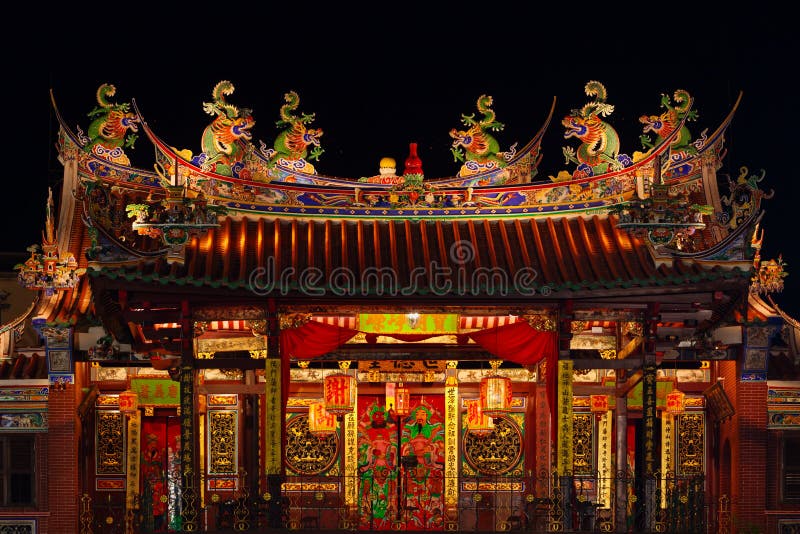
<point x="423" y="439"/>
<point x="377" y="468"/>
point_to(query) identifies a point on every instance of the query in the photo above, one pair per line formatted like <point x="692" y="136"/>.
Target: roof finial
<point x="413" y="163"/>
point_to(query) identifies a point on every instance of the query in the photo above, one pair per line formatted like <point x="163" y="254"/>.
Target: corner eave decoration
<point x="767" y="275"/>
<point x="48" y="270"/>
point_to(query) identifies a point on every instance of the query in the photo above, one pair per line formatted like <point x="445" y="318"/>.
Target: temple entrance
<point x="401" y="464"/>
<point x="160" y="475"/>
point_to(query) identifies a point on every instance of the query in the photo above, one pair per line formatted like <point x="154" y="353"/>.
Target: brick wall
<point x="61" y="472"/>
<point x="751" y="464"/>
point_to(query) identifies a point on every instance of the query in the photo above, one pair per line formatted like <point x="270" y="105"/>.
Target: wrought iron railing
<point x="533" y="503"/>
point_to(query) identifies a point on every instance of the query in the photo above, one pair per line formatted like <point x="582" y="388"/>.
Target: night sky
<point x="378" y="81"/>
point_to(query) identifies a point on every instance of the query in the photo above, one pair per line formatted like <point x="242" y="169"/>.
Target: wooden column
<point x="189" y="466"/>
<point x="275" y="398"/>
<point x="649" y="412"/>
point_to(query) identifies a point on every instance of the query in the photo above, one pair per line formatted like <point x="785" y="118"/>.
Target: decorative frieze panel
<point x="207" y="348"/>
<point x="583" y="444"/>
<point x="109" y="443"/>
<point x="18" y="526"/>
<point x="691" y="444"/>
<point x="222" y="442"/>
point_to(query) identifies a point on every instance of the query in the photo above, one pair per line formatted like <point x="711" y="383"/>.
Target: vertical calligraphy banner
<point x="451" y="447"/>
<point x="667" y="458"/>
<point x="649" y="418"/>
<point x="604" y="460"/>
<point x="273" y="424"/>
<point x="351" y="460"/>
<point x="564" y="457"/>
<point x="132" y="479"/>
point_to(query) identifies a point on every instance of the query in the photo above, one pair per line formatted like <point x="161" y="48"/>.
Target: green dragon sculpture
<point x="480" y="146"/>
<point x="113" y="127"/>
<point x="665" y="124"/>
<point x="226" y="141"/>
<point x="293" y="142"/>
<point x="599" y="149"/>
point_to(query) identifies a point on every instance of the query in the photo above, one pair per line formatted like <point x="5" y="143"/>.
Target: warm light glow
<point x="478" y="422"/>
<point x="320" y="422"/>
<point x="403" y="399"/>
<point x="496" y="395"/>
<point x="340" y="394"/>
<point x="128" y="401"/>
<point x="675" y="402"/>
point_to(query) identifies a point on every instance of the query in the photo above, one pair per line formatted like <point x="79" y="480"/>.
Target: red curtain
<point x="521" y="343"/>
<point x="313" y="339"/>
<point x="516" y="342"/>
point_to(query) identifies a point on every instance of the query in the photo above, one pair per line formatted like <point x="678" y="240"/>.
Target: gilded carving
<point x="583" y="444"/>
<point x="691" y="444"/>
<point x="222" y="442"/>
<point x="110" y="449"/>
<point x="497" y="452"/>
<point x="307" y="454"/>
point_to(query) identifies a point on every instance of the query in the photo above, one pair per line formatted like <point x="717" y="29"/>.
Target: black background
<point x="378" y="79"/>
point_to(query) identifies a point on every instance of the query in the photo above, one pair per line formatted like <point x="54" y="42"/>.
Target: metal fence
<point x="534" y="503"/>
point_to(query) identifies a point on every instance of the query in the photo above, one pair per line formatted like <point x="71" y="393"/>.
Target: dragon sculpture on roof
<point x="113" y="127"/>
<point x="664" y="124"/>
<point x="226" y="141"/>
<point x="290" y="148"/>
<point x="481" y="151"/>
<point x="599" y="149"/>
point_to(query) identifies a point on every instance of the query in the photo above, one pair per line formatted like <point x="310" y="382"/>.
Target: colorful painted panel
<point x="160" y="471"/>
<point x="109" y="484"/>
<point x="401" y="323"/>
<point x="27" y="422"/>
<point x="156" y="391"/>
<point x="783" y="406"/>
<point x="407" y="487"/>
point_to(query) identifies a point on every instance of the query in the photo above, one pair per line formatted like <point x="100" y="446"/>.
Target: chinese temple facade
<point x="232" y="341"/>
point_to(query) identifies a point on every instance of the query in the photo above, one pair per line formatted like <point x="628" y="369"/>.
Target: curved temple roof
<point x="528" y="240"/>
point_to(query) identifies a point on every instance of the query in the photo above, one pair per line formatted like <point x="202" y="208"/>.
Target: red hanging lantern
<point x="128" y="401"/>
<point x="675" y="400"/>
<point x="340" y="394"/>
<point x="320" y="422"/>
<point x="402" y="398"/>
<point x="598" y="403"/>
<point x="478" y="422"/>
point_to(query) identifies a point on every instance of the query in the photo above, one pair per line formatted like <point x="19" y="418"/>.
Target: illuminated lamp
<point x="340" y="394"/>
<point x="128" y="401"/>
<point x="598" y="403"/>
<point x="402" y="397"/>
<point x="495" y="393"/>
<point x="675" y="402"/>
<point x="320" y="422"/>
<point x="478" y="422"/>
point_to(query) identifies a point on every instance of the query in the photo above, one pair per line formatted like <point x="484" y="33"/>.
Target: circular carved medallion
<point x="495" y="452"/>
<point x="306" y="453"/>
